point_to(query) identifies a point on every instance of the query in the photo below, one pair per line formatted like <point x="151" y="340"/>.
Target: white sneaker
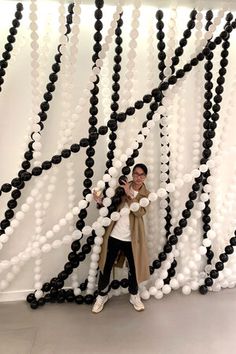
<point x="136" y="302"/>
<point x="99" y="303"/>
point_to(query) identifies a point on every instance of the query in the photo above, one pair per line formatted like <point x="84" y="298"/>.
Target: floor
<point x="177" y="324"/>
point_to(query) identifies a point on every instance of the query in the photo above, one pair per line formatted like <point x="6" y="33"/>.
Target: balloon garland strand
<point x="115" y="87"/>
<point x="162" y="56"/>
<point x="164" y="136"/>
<point x="198" y="94"/>
<point x="152" y="221"/>
<point x="175" y="60"/>
<point x="130" y="76"/>
<point x="70" y="78"/>
<point x="93" y="110"/>
<point x="207" y="115"/>
<point x="6" y="56"/>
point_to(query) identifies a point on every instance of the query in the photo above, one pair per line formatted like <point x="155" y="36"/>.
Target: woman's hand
<point x="97" y="198"/>
<point x="127" y="190"/>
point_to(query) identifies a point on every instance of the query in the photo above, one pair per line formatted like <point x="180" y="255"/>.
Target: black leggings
<point x="114" y="246"/>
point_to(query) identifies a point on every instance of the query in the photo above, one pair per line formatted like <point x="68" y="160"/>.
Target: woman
<point x="125" y="237"/>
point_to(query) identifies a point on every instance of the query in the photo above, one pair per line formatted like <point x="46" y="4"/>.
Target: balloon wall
<point x="87" y="91"/>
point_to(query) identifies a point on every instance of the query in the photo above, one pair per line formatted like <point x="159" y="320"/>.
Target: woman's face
<point x="138" y="176"/>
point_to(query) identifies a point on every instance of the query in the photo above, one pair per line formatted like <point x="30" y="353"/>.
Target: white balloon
<point x="117" y="164"/>
<point x="62" y="222"/>
<point x="113" y="183"/>
<point x="96" y="249"/>
<point x="106" y="221"/>
<point x="113" y="171"/>
<point x="25" y="207"/>
<point x="196" y="173"/>
<point x="152" y="197"/>
<point x="91" y="278"/>
<point x="20" y="215"/>
<point x="180" y="277"/>
<point x="202" y="250"/>
<point x="203" y="168"/>
<point x="4" y="238"/>
<point x="93" y="265"/>
<point x="110" y="192"/>
<point x="161" y="192"/>
<point x="123" y="158"/>
<point x="66" y="239"/>
<point x="170" y="187"/>
<point x="49" y="234"/>
<point x="144" y="202"/>
<point x="174" y="284"/>
<point x="98" y="240"/>
<point x="46" y="248"/>
<point x="145" y="131"/>
<point x="200" y="205"/>
<point x="9" y="230"/>
<point x="76" y="234"/>
<point x="90" y="286"/>
<point x="77" y="291"/>
<point x="56" y="228"/>
<point x="145" y="295"/>
<point x="134" y="207"/>
<point x="204" y="197"/>
<point x="106" y="202"/>
<point x="129" y="152"/>
<point x="153" y="291"/>
<point x="100" y="231"/>
<point x="140" y="138"/>
<point x="103" y="211"/>
<point x="82" y="204"/>
<point x="206" y="242"/>
<point x="186" y="290"/>
<point x="56" y="244"/>
<point x="159" y="283"/>
<point x="14" y="223"/>
<point x="86" y="230"/>
<point x="38" y="294"/>
<point x="159" y="295"/>
<point x="211" y="234"/>
<point x="115" y="216"/>
<point x="89" y="198"/>
<point x="166" y="289"/>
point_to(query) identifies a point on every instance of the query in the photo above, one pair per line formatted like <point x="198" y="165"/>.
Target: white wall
<point x="17" y="107"/>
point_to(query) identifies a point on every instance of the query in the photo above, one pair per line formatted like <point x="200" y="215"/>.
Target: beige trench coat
<point x="138" y="240"/>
